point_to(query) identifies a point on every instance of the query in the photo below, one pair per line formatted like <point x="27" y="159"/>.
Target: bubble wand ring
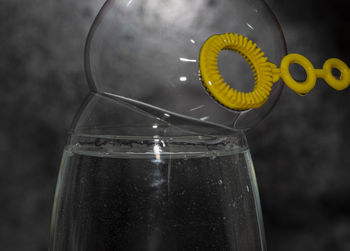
<point x="216" y="85"/>
<point x="265" y="72"/>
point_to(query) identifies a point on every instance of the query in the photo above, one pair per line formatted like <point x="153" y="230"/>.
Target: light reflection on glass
<point x="251" y="27"/>
<point x="130" y="1"/>
<point x="163" y="143"/>
<point x="188" y="60"/>
<point x="183" y="79"/>
<point x="196" y="108"/>
<point x="157" y="150"/>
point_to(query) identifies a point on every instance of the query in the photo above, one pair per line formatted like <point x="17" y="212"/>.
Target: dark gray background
<point x="301" y="151"/>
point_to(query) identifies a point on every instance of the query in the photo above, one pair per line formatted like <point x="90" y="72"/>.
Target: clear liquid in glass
<point x="156" y="195"/>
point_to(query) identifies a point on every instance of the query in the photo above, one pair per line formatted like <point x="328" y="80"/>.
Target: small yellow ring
<point x="338" y="84"/>
<point x="299" y="87"/>
<point x="216" y="85"/>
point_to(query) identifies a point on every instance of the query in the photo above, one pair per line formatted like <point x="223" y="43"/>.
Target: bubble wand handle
<point x="312" y="74"/>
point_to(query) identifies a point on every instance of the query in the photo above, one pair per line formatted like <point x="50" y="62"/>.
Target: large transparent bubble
<point x="146" y="52"/>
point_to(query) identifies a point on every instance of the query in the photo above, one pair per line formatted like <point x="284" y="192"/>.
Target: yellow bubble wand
<point x="265" y="72"/>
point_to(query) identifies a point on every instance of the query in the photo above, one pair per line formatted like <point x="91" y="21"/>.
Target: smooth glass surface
<point x="182" y="193"/>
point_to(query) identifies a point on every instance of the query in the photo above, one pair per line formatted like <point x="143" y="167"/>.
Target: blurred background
<point x="301" y="151"/>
